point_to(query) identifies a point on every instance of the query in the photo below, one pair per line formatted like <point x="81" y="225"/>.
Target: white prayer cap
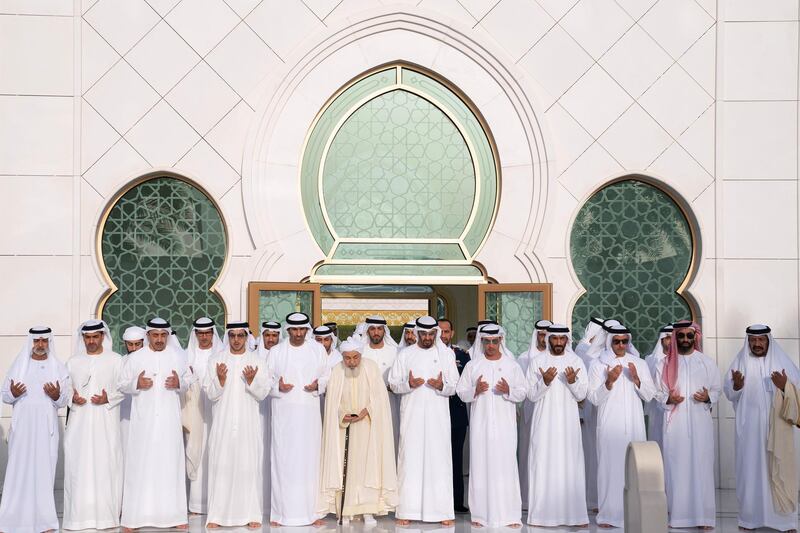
<point x="40" y="332"/>
<point x="323" y="331"/>
<point x="351" y="346"/>
<point x="270" y="324"/>
<point x="237" y="325"/>
<point x="758" y="330"/>
<point x="91" y="326"/>
<point x="410" y="325"/>
<point x="133" y="333"/>
<point x="298" y="320"/>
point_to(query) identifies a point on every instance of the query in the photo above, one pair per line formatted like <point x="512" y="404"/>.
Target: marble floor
<point x="726" y="523"/>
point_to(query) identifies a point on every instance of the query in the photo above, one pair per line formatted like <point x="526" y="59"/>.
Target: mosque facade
<point x="507" y="159"/>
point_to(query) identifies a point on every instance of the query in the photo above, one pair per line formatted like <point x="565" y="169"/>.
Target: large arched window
<point x="162" y="245"/>
<point x="399" y="178"/>
<point x="632" y="247"/>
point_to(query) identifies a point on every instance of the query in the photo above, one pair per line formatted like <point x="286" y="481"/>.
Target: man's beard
<point x="40" y="351"/>
<point x="352" y="372"/>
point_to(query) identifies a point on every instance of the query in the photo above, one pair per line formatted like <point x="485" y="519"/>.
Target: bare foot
<point x="318" y="522"/>
<point x="274" y="524"/>
<point x="448" y="522"/>
<point x="515" y="526"/>
<point x="583" y="526"/>
<point x="476" y="524"/>
<point x="605" y="526"/>
<point x="254" y="525"/>
<point x="402" y="522"/>
<point x="128" y="530"/>
<point x="212" y="525"/>
<point x="182" y="526"/>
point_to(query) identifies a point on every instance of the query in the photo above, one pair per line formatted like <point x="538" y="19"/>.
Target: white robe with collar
<point x="92" y="445"/>
<point x="620" y="421"/>
<point x="425" y="463"/>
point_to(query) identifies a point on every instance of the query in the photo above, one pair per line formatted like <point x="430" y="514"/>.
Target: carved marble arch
<point x="399" y="178"/>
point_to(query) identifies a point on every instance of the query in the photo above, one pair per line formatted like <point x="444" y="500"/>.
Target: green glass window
<point x="163" y="244"/>
<point x="631" y="247"/>
<point x="517" y="312"/>
<point x="400" y="170"/>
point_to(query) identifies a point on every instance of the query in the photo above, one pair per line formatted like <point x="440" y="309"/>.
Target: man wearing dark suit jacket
<point x="459" y="421"/>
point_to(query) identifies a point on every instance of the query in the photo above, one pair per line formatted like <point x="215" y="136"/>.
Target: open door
<point x="273" y="301"/>
<point x="517" y="307"/>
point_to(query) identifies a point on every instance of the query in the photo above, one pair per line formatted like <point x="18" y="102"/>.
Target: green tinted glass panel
<point x="403" y="251"/>
<point x="631" y="247"/>
<point x="275" y="305"/>
<point x="398" y="168"/>
<point x="517" y="312"/>
<point x="401" y="270"/>
<point x="163" y="245"/>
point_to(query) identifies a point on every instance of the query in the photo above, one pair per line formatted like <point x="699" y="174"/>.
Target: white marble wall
<point x="699" y="94"/>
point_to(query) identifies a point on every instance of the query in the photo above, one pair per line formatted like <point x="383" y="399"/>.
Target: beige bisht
<point x="371" y="472"/>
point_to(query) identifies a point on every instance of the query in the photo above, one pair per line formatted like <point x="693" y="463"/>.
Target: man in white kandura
<point x="558" y="381"/>
<point x="690" y="386"/>
<point x="154" y="487"/>
<point x="270" y="336"/>
<point x="589" y="349"/>
<point x="357" y="399"/>
<point x="379" y="346"/>
<point x="618" y="383"/>
<point x="492" y="385"/>
<point x="760" y="370"/>
<point x="653" y="409"/>
<point x="204" y="341"/>
<point x="92" y="450"/>
<point x="298" y="367"/>
<point x="134" y="340"/>
<point x="235" y="384"/>
<point x="425" y="375"/>
<point x="536" y="347"/>
<point x="37" y="385"/>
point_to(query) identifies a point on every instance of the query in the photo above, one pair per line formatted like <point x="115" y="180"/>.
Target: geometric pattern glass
<point x="398" y="168"/>
<point x="275" y="305"/>
<point x="631" y="247"/>
<point x="163" y="245"/>
<point x="517" y="312"/>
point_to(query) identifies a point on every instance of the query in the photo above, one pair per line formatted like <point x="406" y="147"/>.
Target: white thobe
<point x="154" y="487"/>
<point x="653" y="408"/>
<point x="28" y="504"/>
<point x="296" y="431"/>
<point x="688" y="437"/>
<point x="556" y="469"/>
<point x="752" y="404"/>
<point x="198" y="487"/>
<point x="589" y="430"/>
<point x="385" y="357"/>
<point x="235" y="446"/>
<point x="425" y="463"/>
<point x="620" y="421"/>
<point x="92" y="445"/>
<point x="524" y="430"/>
<point x="494" y="491"/>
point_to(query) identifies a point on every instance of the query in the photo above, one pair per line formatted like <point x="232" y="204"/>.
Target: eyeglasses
<point x="490" y="341"/>
<point x="620" y="341"/>
<point x="237" y="335"/>
<point x="688" y="336"/>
